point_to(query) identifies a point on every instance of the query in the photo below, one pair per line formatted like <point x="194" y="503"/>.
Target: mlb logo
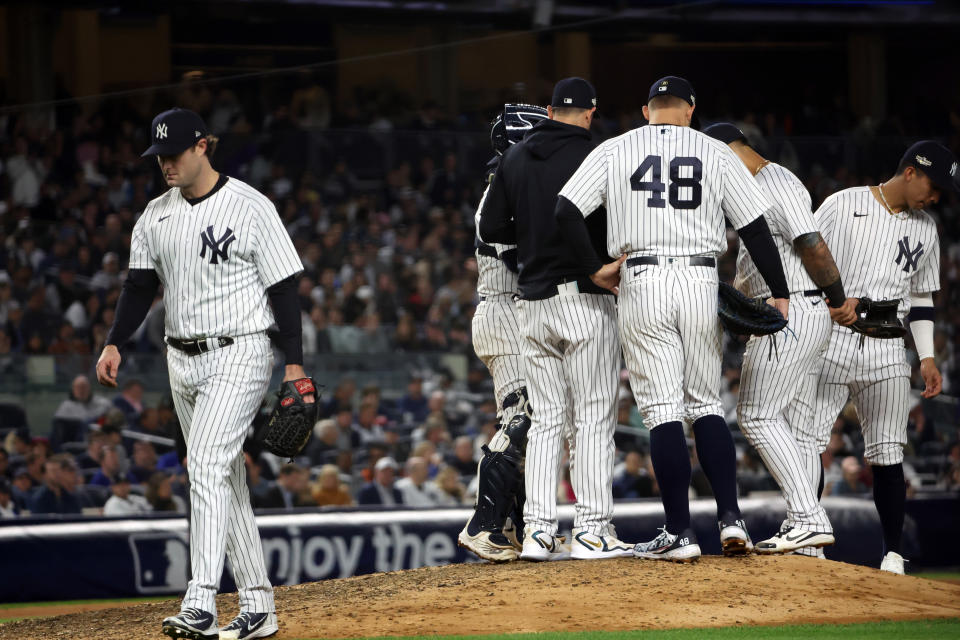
<point x="160" y="562"/>
<point x="568" y="101"/>
<point x="662" y="87"/>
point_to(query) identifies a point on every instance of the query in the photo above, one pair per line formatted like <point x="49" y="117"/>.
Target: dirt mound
<point x="567" y="596"/>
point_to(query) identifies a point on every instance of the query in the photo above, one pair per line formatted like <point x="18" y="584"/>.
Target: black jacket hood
<point x="548" y="136"/>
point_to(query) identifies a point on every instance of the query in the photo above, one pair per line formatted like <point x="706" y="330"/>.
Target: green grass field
<point x="923" y="630"/>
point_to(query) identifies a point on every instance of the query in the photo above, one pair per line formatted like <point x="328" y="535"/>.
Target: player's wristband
<point x="835" y="295"/>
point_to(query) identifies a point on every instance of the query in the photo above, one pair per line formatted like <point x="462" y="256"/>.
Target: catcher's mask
<point x="513" y="123"/>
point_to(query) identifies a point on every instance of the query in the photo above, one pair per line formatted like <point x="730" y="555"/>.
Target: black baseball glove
<point x="878" y="319"/>
<point x="286" y="432"/>
<point x="747" y="316"/>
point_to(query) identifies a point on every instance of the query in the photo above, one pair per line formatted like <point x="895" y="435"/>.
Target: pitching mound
<point x="561" y="596"/>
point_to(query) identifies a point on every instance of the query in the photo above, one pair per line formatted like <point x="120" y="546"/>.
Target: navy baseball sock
<point x="671" y="464"/>
<point x="890" y="496"/>
<point x="822" y="478"/>
<point x="718" y="457"/>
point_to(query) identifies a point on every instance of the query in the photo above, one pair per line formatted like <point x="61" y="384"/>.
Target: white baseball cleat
<point x="540" y="546"/>
<point x="249" y="625"/>
<point x="734" y="539"/>
<point x="667" y="546"/>
<point x="893" y="563"/>
<point x="489" y="546"/>
<point x="792" y="538"/>
<point x="587" y="546"/>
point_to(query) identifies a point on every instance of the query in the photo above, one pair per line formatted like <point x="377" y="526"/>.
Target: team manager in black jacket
<point x="570" y="346"/>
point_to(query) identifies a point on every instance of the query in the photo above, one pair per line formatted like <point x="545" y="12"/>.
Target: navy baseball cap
<point x="673" y="86"/>
<point x="574" y="92"/>
<point x="174" y="131"/>
<point x="725" y="132"/>
<point x="935" y="161"/>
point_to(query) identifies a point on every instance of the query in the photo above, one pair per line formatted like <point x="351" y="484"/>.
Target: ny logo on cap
<point x="923" y="161"/>
<point x="161" y="131"/>
<point x="196" y="134"/>
<point x="953" y="169"/>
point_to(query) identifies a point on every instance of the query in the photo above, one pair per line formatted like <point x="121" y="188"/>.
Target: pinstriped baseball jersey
<point x="494" y="278"/>
<point x="880" y="255"/>
<point x="789" y="218"/>
<point x="215" y="259"/>
<point x="666" y="189"/>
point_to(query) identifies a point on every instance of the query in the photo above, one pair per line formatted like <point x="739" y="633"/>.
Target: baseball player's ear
<point x="646" y="113"/>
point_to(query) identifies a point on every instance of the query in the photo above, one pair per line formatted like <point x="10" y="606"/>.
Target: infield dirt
<point x="560" y="596"/>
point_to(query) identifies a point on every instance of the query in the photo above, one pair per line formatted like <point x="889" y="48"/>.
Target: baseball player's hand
<point x="295" y="372"/>
<point x="845" y="314"/>
<point x="782" y="305"/>
<point x="931" y="377"/>
<point x="608" y="276"/>
<point x="107" y="366"/>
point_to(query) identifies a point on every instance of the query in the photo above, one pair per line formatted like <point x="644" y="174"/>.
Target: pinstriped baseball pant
<point x="671" y="341"/>
<point x="496" y="341"/>
<point x="571" y="356"/>
<point x="216" y="395"/>
<point x="778" y="385"/>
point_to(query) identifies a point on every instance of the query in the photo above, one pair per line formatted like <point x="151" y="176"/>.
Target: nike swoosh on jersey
<point x="163" y="218"/>
<point x="638" y="272"/>
<point x="860" y="215"/>
<point x="815" y="303"/>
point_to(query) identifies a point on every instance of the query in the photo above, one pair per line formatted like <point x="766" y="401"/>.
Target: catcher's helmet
<point x="512" y="123"/>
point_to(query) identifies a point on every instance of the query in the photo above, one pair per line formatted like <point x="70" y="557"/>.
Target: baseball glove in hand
<point x="286" y="432"/>
<point x="878" y="319"/>
<point x="747" y="316"/>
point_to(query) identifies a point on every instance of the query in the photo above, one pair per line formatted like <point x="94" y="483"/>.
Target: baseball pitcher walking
<point x="220" y="251"/>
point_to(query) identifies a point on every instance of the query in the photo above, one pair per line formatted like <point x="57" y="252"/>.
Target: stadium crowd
<point x="380" y="205"/>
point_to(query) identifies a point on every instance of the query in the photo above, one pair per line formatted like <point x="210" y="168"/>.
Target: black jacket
<point x="519" y="207"/>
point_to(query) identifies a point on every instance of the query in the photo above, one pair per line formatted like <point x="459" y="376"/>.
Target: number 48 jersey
<point x="667" y="189"/>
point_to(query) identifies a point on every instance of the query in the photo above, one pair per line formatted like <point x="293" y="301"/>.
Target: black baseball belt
<point x="692" y="261"/>
<point x="200" y="345"/>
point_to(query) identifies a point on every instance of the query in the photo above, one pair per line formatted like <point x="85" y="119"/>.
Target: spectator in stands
<point x="144" y="461"/>
<point x="22" y="486"/>
<point x="17" y="444"/>
<point x="414" y="488"/>
<point x="114" y="424"/>
<point x="461" y="460"/>
<point x="130" y="400"/>
<point x="33" y="462"/>
<point x="449" y="490"/>
<point x="328" y="490"/>
<point x="122" y="502"/>
<point x="8" y="508"/>
<point x="256" y="483"/>
<point x="93" y="456"/>
<point x="850" y="484"/>
<point x="341" y="400"/>
<point x="110" y="467"/>
<point x="159" y="493"/>
<point x="57" y="493"/>
<point x="290" y="492"/>
<point x="413" y="406"/>
<point x="382" y="490"/>
<point x="82" y="404"/>
<point x="632" y="480"/>
<point x="369" y="426"/>
<point x="108" y="276"/>
<point x="324" y="444"/>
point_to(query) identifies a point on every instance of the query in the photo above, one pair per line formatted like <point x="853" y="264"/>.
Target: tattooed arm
<point x="819" y="263"/>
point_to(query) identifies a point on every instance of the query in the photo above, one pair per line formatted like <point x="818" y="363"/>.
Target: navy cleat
<point x="192" y="624"/>
<point x="249" y="625"/>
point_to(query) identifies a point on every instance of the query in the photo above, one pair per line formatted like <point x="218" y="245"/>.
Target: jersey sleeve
<point x="796" y="218"/>
<point x="587" y="187"/>
<point x="742" y="200"/>
<point x="275" y="256"/>
<point x="826" y="219"/>
<point x="141" y="256"/>
<point x="926" y="279"/>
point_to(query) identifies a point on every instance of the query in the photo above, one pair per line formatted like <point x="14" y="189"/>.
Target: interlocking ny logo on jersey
<point x="218" y="248"/>
<point x="161" y="131"/>
<point x="910" y="256"/>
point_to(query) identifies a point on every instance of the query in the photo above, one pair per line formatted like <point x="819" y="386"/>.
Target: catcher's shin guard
<point x="500" y="477"/>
